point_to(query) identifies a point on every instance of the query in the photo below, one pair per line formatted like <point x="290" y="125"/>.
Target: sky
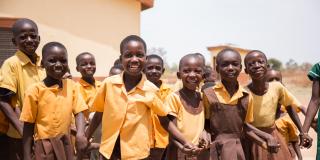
<point x="283" y="29"/>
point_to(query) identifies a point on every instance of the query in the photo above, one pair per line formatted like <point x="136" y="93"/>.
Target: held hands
<point x="305" y="140"/>
<point x="204" y="140"/>
<point x="272" y="144"/>
<point x="190" y="149"/>
<point x="81" y="143"/>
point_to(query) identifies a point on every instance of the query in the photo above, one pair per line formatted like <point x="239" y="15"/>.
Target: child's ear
<point x="245" y="70"/>
<point x="14" y="41"/>
<point x="178" y="75"/>
<point x="41" y="64"/>
<point x="77" y="68"/>
<point x="163" y="70"/>
<point x="268" y="65"/>
<point x="217" y="69"/>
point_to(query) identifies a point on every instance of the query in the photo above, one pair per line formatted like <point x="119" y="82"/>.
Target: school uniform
<point x="264" y="111"/>
<point x="4" y="141"/>
<point x="289" y="132"/>
<point x="314" y="75"/>
<point x="227" y="116"/>
<point x="51" y="109"/>
<point x="18" y="73"/>
<point x="189" y="121"/>
<point x="126" y="121"/>
<point x="160" y="137"/>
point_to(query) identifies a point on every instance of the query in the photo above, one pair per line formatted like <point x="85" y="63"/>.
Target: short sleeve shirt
<point x="314" y="73"/>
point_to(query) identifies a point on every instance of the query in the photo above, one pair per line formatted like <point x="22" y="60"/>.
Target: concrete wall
<point x="95" y="26"/>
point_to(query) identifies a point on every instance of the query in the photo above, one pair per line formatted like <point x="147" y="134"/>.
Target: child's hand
<point x="204" y="140"/>
<point x="272" y="145"/>
<point x="190" y="149"/>
<point x="81" y="143"/>
<point x="305" y="140"/>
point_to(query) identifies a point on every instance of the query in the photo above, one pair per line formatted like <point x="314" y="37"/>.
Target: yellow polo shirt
<point x="287" y="128"/>
<point x="127" y="114"/>
<point x="4" y="124"/>
<point x="18" y="73"/>
<point x="224" y="97"/>
<point x="265" y="106"/>
<point x="51" y="108"/>
<point x="190" y="125"/>
<point x="87" y="92"/>
<point x="160" y="135"/>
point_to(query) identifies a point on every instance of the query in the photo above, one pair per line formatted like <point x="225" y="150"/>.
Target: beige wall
<point x="96" y="26"/>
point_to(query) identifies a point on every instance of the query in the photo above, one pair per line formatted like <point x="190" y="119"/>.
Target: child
<point x="4" y="125"/>
<point x="18" y="73"/>
<point x="313" y="107"/>
<point x="209" y="78"/>
<point x="48" y="107"/>
<point x="153" y="70"/>
<point x="228" y="109"/>
<point x="284" y="124"/>
<point x="88" y="86"/>
<point x="186" y="104"/>
<point x="116" y="69"/>
<point x="266" y="97"/>
<point x="126" y="100"/>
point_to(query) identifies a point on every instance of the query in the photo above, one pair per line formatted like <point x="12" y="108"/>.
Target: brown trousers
<point x="57" y="148"/>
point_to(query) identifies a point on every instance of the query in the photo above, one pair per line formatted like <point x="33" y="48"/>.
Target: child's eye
<point x="52" y="61"/>
<point x="128" y="55"/>
<point x="140" y="55"/>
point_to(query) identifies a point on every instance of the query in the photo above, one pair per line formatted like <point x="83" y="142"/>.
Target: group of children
<point x="48" y="116"/>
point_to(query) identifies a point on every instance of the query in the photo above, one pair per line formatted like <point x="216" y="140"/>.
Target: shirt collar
<point x="118" y="79"/>
<point x="24" y="59"/>
<point x="238" y="94"/>
<point x="86" y="84"/>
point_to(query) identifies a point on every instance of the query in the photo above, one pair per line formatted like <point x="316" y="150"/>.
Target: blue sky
<point x="283" y="29"/>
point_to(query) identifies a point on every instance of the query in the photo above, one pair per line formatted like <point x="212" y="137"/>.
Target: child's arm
<point x="81" y="140"/>
<point x="10" y="114"/>
<point x="96" y="120"/>
<point x="297" y="150"/>
<point x="261" y="138"/>
<point x="27" y="139"/>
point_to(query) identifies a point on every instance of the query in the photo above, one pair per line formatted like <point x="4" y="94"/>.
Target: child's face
<point x="229" y="66"/>
<point x="86" y="65"/>
<point x="154" y="69"/>
<point x="133" y="58"/>
<point x="27" y="39"/>
<point x="55" y="62"/>
<point x="273" y="75"/>
<point x="256" y="66"/>
<point x="191" y="72"/>
<point x="115" y="71"/>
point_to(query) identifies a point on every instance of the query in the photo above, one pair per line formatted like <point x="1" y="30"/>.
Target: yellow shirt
<point x="127" y="114"/>
<point x="4" y="124"/>
<point x="287" y="128"/>
<point x="18" y="73"/>
<point x="189" y="124"/>
<point x="51" y="108"/>
<point x="160" y="135"/>
<point x="265" y="106"/>
<point x="88" y="92"/>
<point x="224" y="97"/>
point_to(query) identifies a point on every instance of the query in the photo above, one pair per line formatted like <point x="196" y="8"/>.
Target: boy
<point x="313" y="107"/>
<point x="229" y="109"/>
<point x="154" y="70"/>
<point x="88" y="86"/>
<point x="186" y="104"/>
<point x="126" y="100"/>
<point x="48" y="109"/>
<point x="116" y="69"/>
<point x="284" y="123"/>
<point x="18" y="72"/>
<point x="4" y="125"/>
<point x="209" y="78"/>
<point x="266" y="97"/>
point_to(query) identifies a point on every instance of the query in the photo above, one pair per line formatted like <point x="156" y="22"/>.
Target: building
<point x="214" y="50"/>
<point x="95" y="26"/>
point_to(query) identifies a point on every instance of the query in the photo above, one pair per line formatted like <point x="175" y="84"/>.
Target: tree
<point x="275" y="64"/>
<point x="161" y="52"/>
<point x="291" y="64"/>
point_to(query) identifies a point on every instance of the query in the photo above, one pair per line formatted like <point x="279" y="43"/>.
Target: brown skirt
<point x="258" y="153"/>
<point x="227" y="147"/>
<point x="57" y="148"/>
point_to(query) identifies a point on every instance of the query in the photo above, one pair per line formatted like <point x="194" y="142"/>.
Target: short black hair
<point x="50" y="45"/>
<point x="117" y="62"/>
<point x="155" y="56"/>
<point x="202" y="57"/>
<point x="254" y="51"/>
<point x="82" y="54"/>
<point x="225" y="50"/>
<point x="191" y="55"/>
<point x="207" y="70"/>
<point x="17" y="25"/>
<point x="132" y="38"/>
